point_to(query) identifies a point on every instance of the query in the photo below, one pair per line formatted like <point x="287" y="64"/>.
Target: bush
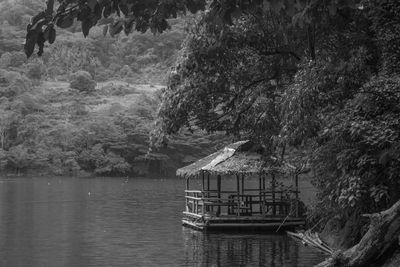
<point x="5" y="60"/>
<point x="17" y="59"/>
<point x="34" y="71"/>
<point x="126" y="71"/>
<point x="13" y="84"/>
<point x="82" y="81"/>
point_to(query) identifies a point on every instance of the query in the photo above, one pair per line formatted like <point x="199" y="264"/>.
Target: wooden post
<point x="263" y="180"/>
<point x="297" y="194"/>
<point x="186" y="194"/>
<point x="260" y="192"/>
<point x="208" y="191"/>
<point x="242" y="185"/>
<point x="202" y="192"/>
<point x="208" y="185"/>
<point x="243" y="198"/>
<point x="238" y="194"/>
<point x="263" y="186"/>
<point x="202" y="179"/>
<point x="195" y="201"/>
<point x="273" y="195"/>
<point x="219" y="194"/>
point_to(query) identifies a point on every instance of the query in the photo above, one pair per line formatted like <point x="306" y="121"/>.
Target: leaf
<point x="116" y="8"/>
<point x="128" y="26"/>
<point x="84" y="14"/>
<point x="124" y="9"/>
<point x="30" y="42"/>
<point x="105" y="30"/>
<point x="92" y="4"/>
<point x="107" y="11"/>
<point x="65" y="21"/>
<point x="86" y="25"/>
<point x="116" y="28"/>
<point x="52" y="36"/>
<point x="38" y="25"/>
<point x="38" y="17"/>
<point x="40" y="42"/>
<point x="97" y="11"/>
<point x="46" y="33"/>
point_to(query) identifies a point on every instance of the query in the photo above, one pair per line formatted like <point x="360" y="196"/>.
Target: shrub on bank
<point x="82" y="81"/>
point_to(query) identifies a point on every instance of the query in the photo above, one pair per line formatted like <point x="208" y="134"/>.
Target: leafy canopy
<point x="231" y="78"/>
<point x="141" y="15"/>
<point x="124" y="15"/>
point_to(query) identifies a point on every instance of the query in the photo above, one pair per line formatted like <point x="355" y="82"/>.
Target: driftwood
<point x="382" y="234"/>
<point x="311" y="239"/>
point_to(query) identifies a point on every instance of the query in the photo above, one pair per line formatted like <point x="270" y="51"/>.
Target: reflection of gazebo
<point x="262" y="206"/>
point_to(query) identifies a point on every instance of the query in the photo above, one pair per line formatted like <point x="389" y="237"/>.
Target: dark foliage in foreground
<point x="335" y="95"/>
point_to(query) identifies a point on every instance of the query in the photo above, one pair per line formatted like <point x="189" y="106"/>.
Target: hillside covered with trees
<point x="87" y="105"/>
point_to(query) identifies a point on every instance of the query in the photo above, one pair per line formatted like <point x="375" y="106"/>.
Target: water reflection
<point x="255" y="249"/>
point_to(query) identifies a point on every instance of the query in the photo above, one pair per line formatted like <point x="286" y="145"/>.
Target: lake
<point x="119" y="222"/>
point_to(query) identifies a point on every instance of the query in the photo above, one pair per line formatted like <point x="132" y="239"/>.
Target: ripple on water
<point x="137" y="224"/>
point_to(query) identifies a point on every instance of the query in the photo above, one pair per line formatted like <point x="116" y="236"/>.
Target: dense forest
<point x="87" y="105"/>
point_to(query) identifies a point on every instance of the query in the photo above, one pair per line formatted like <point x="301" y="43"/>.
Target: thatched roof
<point x="237" y="158"/>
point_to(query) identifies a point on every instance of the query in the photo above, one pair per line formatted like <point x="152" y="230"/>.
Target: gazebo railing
<point x="230" y="203"/>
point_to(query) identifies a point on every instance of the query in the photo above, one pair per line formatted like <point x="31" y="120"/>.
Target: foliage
<point x="336" y="93"/>
<point x="359" y="148"/>
<point x="140" y="16"/>
<point x="34" y="71"/>
<point x="54" y="127"/>
<point x="385" y="23"/>
<point x="82" y="81"/>
<point x="231" y="79"/>
<point x="60" y="131"/>
<point x="13" y="83"/>
<point x="350" y="117"/>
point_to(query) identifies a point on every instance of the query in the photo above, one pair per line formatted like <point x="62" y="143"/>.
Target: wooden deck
<point x="254" y="209"/>
<point x="200" y="222"/>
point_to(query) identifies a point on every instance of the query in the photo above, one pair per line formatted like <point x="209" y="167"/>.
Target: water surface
<point x="100" y="222"/>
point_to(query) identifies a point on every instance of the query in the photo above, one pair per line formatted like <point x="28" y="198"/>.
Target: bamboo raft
<point x="240" y="211"/>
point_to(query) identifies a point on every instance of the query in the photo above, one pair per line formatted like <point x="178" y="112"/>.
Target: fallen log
<point x="307" y="238"/>
<point x="382" y="234"/>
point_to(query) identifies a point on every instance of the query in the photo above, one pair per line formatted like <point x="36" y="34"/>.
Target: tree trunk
<point x="382" y="234"/>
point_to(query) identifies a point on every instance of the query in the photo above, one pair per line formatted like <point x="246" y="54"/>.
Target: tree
<point x="6" y="119"/>
<point x="320" y="74"/>
<point x="231" y="78"/>
<point x="340" y="100"/>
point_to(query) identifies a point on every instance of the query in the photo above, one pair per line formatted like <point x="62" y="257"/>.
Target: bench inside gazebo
<point x="237" y="188"/>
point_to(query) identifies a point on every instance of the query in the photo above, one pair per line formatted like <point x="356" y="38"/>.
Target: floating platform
<point x="217" y="203"/>
<point x="227" y="222"/>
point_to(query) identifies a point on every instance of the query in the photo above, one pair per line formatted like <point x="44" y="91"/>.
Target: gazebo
<point x="216" y="201"/>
